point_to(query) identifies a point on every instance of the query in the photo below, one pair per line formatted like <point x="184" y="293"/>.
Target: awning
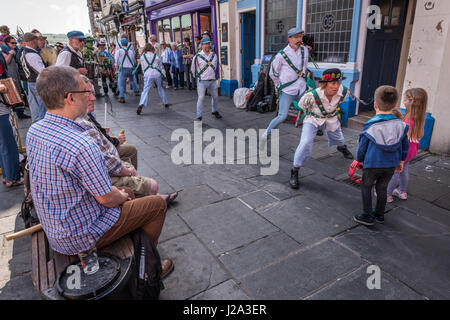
<point x="160" y="9"/>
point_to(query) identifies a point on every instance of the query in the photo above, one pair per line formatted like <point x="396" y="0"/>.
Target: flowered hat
<point x="330" y="75"/>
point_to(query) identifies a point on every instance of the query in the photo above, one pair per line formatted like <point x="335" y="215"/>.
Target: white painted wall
<point x="428" y="66"/>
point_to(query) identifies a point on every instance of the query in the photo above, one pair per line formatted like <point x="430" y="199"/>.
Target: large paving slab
<point x="228" y="290"/>
<point x="278" y="185"/>
<point x="259" y="254"/>
<point x="196" y="197"/>
<point x="300" y="275"/>
<point x="426" y="189"/>
<point x="354" y="287"/>
<point x="227" y="225"/>
<point x="340" y="196"/>
<point x="425" y="209"/>
<point x="258" y="199"/>
<point x="411" y="248"/>
<point x="196" y="270"/>
<point x="306" y="220"/>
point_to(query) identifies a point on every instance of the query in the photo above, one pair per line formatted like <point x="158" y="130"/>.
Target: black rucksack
<point x="27" y="210"/>
<point x="263" y="98"/>
<point x="146" y="282"/>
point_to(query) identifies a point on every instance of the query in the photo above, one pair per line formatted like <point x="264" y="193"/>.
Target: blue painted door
<point x="383" y="49"/>
<point x="248" y="25"/>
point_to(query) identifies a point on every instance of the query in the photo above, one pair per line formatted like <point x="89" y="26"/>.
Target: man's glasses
<point x="87" y="92"/>
<point x="13" y="42"/>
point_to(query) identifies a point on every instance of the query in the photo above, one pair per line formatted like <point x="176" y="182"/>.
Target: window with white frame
<point x="329" y="22"/>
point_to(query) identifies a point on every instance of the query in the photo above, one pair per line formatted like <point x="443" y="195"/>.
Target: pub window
<point x="176" y="29"/>
<point x="166" y="28"/>
<point x="159" y="31"/>
<point x="329" y="22"/>
<point x="186" y="25"/>
<point x="281" y="15"/>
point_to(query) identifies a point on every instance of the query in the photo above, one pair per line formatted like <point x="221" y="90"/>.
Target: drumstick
<point x="106" y="111"/>
<point x="122" y="131"/>
<point x="25" y="232"/>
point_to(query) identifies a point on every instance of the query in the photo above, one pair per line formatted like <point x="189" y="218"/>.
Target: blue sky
<point x="48" y="16"/>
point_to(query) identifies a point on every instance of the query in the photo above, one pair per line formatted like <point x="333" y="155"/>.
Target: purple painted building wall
<point x="162" y="9"/>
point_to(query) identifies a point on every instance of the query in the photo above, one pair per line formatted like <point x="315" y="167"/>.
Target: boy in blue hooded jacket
<point x="383" y="147"/>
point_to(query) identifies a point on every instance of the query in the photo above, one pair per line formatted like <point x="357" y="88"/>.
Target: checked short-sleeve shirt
<point x="67" y="170"/>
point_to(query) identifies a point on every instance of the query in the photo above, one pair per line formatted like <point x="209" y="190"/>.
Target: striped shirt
<point x="109" y="151"/>
<point x="67" y="171"/>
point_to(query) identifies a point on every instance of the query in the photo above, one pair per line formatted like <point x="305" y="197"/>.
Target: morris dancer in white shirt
<point x="151" y="68"/>
<point x="204" y="68"/>
<point x="322" y="111"/>
<point x="288" y="72"/>
<point x="125" y="62"/>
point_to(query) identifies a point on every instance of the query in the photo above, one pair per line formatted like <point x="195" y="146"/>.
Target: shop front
<point x="174" y="20"/>
<point x="133" y="23"/>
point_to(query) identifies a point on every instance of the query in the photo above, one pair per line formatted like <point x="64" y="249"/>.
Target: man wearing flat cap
<point x="71" y="54"/>
<point x="32" y="65"/>
<point x="204" y="66"/>
<point x="288" y="72"/>
<point x="321" y="108"/>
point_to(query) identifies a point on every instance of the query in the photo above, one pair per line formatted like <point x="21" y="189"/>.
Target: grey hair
<point x="54" y="82"/>
<point x="153" y="36"/>
<point x="85" y="79"/>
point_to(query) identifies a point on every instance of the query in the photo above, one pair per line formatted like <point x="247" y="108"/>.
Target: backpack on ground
<point x="146" y="282"/>
<point x="263" y="98"/>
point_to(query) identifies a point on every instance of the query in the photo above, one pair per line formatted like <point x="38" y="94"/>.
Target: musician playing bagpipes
<point x="321" y="108"/>
<point x="106" y="63"/>
<point x="90" y="57"/>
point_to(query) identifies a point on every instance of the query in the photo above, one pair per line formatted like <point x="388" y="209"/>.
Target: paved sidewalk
<point x="235" y="234"/>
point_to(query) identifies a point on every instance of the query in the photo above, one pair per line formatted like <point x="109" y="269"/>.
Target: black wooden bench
<point x="47" y="264"/>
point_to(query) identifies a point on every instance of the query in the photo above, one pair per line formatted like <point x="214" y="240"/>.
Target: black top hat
<point x="331" y="75"/>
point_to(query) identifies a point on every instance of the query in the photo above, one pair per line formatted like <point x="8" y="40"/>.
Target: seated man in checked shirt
<point x="122" y="173"/>
<point x="71" y="189"/>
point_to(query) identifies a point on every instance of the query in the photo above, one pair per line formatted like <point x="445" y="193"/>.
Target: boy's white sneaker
<point x="389" y="199"/>
<point x="399" y="194"/>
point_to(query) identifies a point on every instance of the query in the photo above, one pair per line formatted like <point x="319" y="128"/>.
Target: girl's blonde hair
<point x="416" y="111"/>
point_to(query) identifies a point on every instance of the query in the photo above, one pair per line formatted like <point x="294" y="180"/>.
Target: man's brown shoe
<point x="167" y="267"/>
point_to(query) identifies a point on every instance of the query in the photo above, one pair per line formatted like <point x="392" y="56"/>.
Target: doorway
<point x="248" y="50"/>
<point x="383" y="49"/>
